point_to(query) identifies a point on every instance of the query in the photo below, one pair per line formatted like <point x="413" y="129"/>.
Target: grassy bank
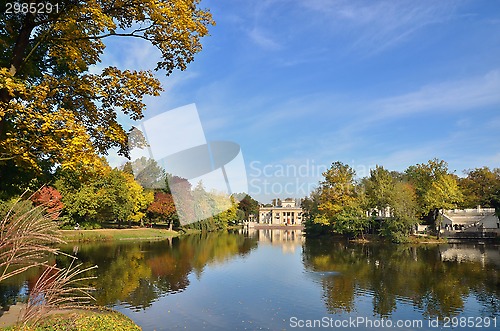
<point x="82" y="320"/>
<point x="373" y="238"/>
<point x="427" y="239"/>
<point x="413" y="239"/>
<point x="116" y="234"/>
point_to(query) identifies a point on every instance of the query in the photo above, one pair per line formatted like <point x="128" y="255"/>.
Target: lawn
<point x="116" y="234"/>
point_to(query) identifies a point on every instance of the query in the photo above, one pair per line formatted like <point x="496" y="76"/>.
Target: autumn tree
<point x="444" y="193"/>
<point x="481" y="187"/>
<point x="379" y="187"/>
<point x="147" y="172"/>
<point x="337" y="189"/>
<point x="54" y="110"/>
<point x="339" y="204"/>
<point x="181" y="189"/>
<point x="403" y="202"/>
<point x="421" y="176"/>
<point x="50" y="199"/>
<point x="163" y="208"/>
<point x="140" y="197"/>
<point x="228" y="207"/>
<point x="404" y="213"/>
<point x="249" y="206"/>
<point x="111" y="195"/>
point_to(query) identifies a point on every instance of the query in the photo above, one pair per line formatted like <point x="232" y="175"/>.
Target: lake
<point x="279" y="280"/>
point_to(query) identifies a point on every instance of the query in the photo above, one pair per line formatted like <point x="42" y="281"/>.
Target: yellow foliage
<point x="140" y="198"/>
<point x="53" y="111"/>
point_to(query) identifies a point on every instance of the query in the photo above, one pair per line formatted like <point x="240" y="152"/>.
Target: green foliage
<point x="397" y="229"/>
<point x="380" y="188"/>
<point x="221" y="220"/>
<point x="340" y="203"/>
<point x="443" y="193"/>
<point x="22" y="206"/>
<point x="337" y="191"/>
<point x="435" y="189"/>
<point x="147" y="173"/>
<point x="403" y="201"/>
<point x="85" y="321"/>
<point x="248" y="206"/>
<point x="112" y="195"/>
<point x="57" y="113"/>
<point x="336" y="206"/>
<point x="481" y="187"/>
<point x="421" y="176"/>
<point x="350" y="222"/>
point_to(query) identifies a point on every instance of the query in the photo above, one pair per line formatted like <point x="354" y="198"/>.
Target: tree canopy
<point x="395" y="201"/>
<point x="57" y="112"/>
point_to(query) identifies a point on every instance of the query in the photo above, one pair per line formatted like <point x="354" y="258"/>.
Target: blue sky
<point x="309" y="82"/>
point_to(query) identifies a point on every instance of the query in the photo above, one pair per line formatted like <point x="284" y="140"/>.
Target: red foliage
<point x="163" y="205"/>
<point x="50" y="198"/>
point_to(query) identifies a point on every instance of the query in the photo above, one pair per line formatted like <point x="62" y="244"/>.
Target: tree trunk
<point x="438" y="222"/>
<point x="17" y="60"/>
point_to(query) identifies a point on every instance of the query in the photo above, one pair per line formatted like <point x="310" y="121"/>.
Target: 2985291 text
<point x="16" y="7"/>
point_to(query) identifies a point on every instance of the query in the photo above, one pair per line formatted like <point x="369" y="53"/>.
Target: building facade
<point x="284" y="212"/>
<point x="476" y="219"/>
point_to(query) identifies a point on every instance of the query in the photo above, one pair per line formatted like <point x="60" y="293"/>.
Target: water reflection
<point x="260" y="278"/>
<point x="288" y="240"/>
<point x="428" y="277"/>
<point x="471" y="253"/>
<point x="137" y="274"/>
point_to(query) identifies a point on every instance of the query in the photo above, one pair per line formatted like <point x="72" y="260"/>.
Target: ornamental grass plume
<point x="58" y="288"/>
<point x="28" y="236"/>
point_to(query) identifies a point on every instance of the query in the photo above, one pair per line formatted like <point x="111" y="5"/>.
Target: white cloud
<point x="470" y="94"/>
<point x="263" y="40"/>
<point x="447" y="96"/>
<point x="377" y="25"/>
<point x="464" y="96"/>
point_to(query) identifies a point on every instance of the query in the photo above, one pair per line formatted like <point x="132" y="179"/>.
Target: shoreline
<point x="87" y="319"/>
<point x="100" y="235"/>
<point x="276" y="227"/>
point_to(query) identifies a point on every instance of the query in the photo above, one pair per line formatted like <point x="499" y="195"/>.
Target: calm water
<point x="278" y="280"/>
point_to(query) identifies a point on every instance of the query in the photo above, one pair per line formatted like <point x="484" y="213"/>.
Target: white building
<point x="477" y="219"/>
<point x="282" y="213"/>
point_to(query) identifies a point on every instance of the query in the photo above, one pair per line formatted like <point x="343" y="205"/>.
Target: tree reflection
<point x="137" y="274"/>
<point x="392" y="273"/>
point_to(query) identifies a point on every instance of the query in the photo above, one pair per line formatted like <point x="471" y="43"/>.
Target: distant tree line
<point x="138" y="194"/>
<point x="343" y="204"/>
